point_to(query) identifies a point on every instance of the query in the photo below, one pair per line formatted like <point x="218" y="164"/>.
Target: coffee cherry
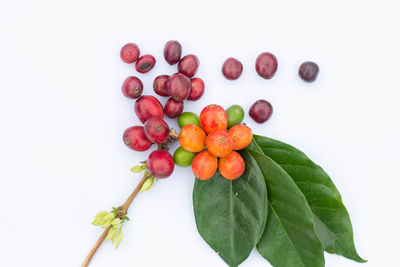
<point x="173" y="108"/>
<point x="192" y="138"/>
<point x="261" y="111"/>
<point x="135" y="138"/>
<point x="172" y="52"/>
<point x="148" y="106"/>
<point x="266" y="65"/>
<point x="241" y="136"/>
<point x="196" y="90"/>
<point x="132" y="87"/>
<point x="212" y="118"/>
<point x="235" y="115"/>
<point x="156" y="130"/>
<point x="129" y="53"/>
<point x="188" y="118"/>
<point x="160" y="164"/>
<point x="188" y="65"/>
<point x="204" y="165"/>
<point x="232" y="68"/>
<point x="159" y="85"/>
<point x="182" y="157"/>
<point x="178" y="86"/>
<point x="308" y="71"/>
<point x="145" y="63"/>
<point x="232" y="166"/>
<point x="219" y="143"/>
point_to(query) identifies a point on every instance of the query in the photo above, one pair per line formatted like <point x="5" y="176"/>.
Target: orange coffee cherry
<point x="232" y="166"/>
<point x="204" y="165"/>
<point x="241" y="136"/>
<point x="212" y="118"/>
<point x="192" y="138"/>
<point x="219" y="143"/>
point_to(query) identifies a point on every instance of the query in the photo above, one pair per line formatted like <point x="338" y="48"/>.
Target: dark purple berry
<point x="266" y="65"/>
<point x="232" y="68"/>
<point x="132" y="87"/>
<point x="172" y="52"/>
<point x="308" y="71"/>
<point x="159" y="85"/>
<point x="145" y="63"/>
<point x="188" y="65"/>
<point x="178" y="86"/>
<point x="173" y="108"/>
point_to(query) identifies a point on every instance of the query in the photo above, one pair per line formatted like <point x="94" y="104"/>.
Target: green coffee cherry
<point x="183" y="158"/>
<point x="235" y="115"/>
<point x="188" y="118"/>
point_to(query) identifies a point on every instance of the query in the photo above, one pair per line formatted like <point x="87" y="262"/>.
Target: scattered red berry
<point x="145" y="63"/>
<point x="261" y="111"/>
<point x="135" y="138"/>
<point x="308" y="71"/>
<point x="160" y="164"/>
<point x="188" y="65"/>
<point x="148" y="106"/>
<point x="232" y="68"/>
<point x="132" y="87"/>
<point x="129" y="53"/>
<point x="173" y="108"/>
<point x="178" y="86"/>
<point x="197" y="89"/>
<point x="156" y="130"/>
<point x="159" y="85"/>
<point x="172" y="52"/>
<point x="266" y="65"/>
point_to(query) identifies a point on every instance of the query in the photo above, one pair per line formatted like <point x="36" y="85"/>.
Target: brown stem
<point x="121" y="214"/>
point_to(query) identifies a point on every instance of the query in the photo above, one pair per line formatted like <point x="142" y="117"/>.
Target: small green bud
<point x="119" y="238"/>
<point x="147" y="184"/>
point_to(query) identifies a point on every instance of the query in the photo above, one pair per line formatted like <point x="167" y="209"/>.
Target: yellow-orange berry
<point x="192" y="138"/>
<point x="232" y="166"/>
<point x="213" y="118"/>
<point x="241" y="136"/>
<point x="219" y="143"/>
<point x="204" y="165"/>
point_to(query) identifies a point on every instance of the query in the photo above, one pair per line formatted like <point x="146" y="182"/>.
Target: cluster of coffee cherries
<point x="179" y="86"/>
<point x="215" y="137"/>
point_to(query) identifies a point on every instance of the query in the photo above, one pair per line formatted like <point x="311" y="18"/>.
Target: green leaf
<point x="289" y="239"/>
<point x="231" y="215"/>
<point x="332" y="220"/>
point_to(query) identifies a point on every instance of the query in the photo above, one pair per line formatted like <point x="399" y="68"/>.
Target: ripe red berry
<point x="188" y="65"/>
<point x="160" y="164"/>
<point x="156" y="130"/>
<point x="147" y="107"/>
<point x="135" y="138"/>
<point x="132" y="87"/>
<point x="129" y="53"/>
<point x="178" y="86"/>
<point x="196" y="89"/>
<point x="159" y="85"/>
<point x="266" y="65"/>
<point x="232" y="68"/>
<point x="145" y="63"/>
<point x="173" y="108"/>
<point x="172" y="52"/>
<point x="261" y="111"/>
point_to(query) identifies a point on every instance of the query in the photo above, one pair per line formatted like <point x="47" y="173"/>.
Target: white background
<point x="62" y="115"/>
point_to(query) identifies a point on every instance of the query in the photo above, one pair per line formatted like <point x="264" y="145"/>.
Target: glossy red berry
<point x="188" y="65"/>
<point x="261" y="111"/>
<point x="160" y="164"/>
<point x="308" y="71"/>
<point x="266" y="65"/>
<point x="232" y="68"/>
<point x="173" y="108"/>
<point x="147" y="107"/>
<point x="196" y="89"/>
<point x="132" y="87"/>
<point x="172" y="52"/>
<point x="178" y="86"/>
<point x="159" y="85"/>
<point x="145" y="63"/>
<point x="129" y="53"/>
<point x="135" y="138"/>
<point x="156" y="130"/>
